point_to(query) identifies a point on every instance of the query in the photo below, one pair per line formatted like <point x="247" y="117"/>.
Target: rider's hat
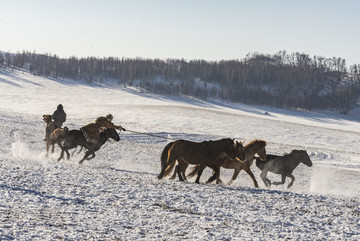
<point x="109" y="117"/>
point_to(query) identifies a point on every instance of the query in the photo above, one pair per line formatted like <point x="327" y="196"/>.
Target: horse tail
<point x="169" y="169"/>
<point x="165" y="169"/>
<point x="194" y="170"/>
<point x="164" y="154"/>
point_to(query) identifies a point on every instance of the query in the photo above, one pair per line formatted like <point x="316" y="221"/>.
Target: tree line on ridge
<point x="283" y="80"/>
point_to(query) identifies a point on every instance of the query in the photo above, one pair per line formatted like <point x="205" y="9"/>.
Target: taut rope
<point x="164" y="137"/>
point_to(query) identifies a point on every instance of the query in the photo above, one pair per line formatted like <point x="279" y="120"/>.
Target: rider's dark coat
<point x="92" y="130"/>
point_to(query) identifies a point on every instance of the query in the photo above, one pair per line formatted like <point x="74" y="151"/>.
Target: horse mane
<point x="291" y="153"/>
<point x="255" y="142"/>
<point x="223" y="139"/>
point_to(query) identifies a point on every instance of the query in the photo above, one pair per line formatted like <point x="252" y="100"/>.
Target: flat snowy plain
<point x="117" y="196"/>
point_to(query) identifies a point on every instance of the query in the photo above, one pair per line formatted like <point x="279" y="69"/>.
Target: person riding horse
<point x="91" y="131"/>
<point x="58" y="117"/>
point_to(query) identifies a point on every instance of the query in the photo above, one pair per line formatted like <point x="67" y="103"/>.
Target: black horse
<point x="76" y="138"/>
<point x="283" y="165"/>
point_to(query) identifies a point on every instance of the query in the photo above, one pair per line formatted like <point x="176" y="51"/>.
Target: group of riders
<point x="91" y="131"/>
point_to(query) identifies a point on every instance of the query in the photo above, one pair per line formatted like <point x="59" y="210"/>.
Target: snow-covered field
<point x="117" y="195"/>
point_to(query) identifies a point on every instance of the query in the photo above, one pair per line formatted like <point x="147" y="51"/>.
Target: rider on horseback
<point x="58" y="117"/>
<point x="92" y="130"/>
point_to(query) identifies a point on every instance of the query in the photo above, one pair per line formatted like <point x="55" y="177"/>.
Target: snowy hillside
<point x="116" y="195"/>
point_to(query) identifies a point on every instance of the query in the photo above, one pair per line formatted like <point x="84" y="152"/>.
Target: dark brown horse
<point x="182" y="165"/>
<point x="74" y="138"/>
<point x="249" y="150"/>
<point x="283" y="165"/>
<point x="208" y="153"/>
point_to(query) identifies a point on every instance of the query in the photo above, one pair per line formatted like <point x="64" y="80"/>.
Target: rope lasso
<point x="164" y="137"/>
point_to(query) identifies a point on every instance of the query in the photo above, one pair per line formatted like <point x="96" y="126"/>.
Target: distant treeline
<point x="282" y="80"/>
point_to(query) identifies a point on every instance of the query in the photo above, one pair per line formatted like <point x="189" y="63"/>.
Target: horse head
<point x="240" y="153"/>
<point x="47" y="119"/>
<point x="256" y="147"/>
<point x="112" y="133"/>
<point x="262" y="151"/>
<point x="303" y="156"/>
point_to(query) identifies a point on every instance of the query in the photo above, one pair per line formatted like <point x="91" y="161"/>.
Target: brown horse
<point x="57" y="136"/>
<point x="47" y="120"/>
<point x="207" y="153"/>
<point x="252" y="148"/>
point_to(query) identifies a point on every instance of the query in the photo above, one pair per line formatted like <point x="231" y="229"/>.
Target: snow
<point x="117" y="196"/>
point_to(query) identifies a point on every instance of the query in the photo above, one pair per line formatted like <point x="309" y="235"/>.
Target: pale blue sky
<point x="189" y="29"/>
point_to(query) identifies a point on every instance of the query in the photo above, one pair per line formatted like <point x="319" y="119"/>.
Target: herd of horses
<point x="178" y="155"/>
<point x="228" y="154"/>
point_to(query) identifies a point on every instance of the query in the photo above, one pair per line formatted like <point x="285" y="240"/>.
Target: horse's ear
<point x="241" y="142"/>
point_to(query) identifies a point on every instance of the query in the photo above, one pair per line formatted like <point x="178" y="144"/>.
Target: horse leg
<point x="201" y="169"/>
<point x="175" y="172"/>
<point x="47" y="149"/>
<point x="235" y="175"/>
<point x="63" y="149"/>
<point x="92" y="156"/>
<point x="62" y="154"/>
<point x="236" y="165"/>
<point x="87" y="154"/>
<point x="178" y="170"/>
<point x="59" y="144"/>
<point x="292" y="180"/>
<point x="283" y="177"/>
<point x="182" y="166"/>
<point x="248" y="171"/>
<point x="67" y="154"/>
<point x="82" y="160"/>
<point x="215" y="176"/>
<point x="266" y="181"/>
<point x="72" y="154"/>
